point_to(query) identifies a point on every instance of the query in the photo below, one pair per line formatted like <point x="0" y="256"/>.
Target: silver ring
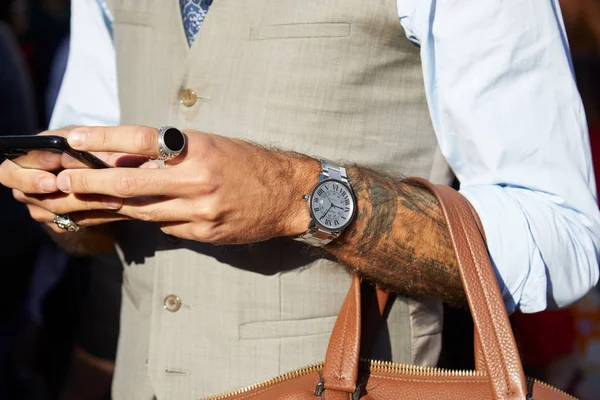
<point x="63" y="221"/>
<point x="171" y="143"/>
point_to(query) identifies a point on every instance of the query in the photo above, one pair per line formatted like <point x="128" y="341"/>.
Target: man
<point x="340" y="80"/>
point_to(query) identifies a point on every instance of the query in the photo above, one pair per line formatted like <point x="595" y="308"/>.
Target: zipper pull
<point x="356" y="394"/>
<point x="320" y="388"/>
<point x="530" y="383"/>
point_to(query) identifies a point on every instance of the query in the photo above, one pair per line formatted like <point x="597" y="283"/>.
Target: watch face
<point x="332" y="205"/>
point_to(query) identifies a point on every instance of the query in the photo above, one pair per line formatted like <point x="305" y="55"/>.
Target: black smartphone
<point x="23" y="147"/>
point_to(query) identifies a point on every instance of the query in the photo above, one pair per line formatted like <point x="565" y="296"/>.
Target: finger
<point x="61" y="203"/>
<point x="199" y="232"/>
<point x="139" y="140"/>
<point x="126" y="182"/>
<point x="39" y="159"/>
<point x="159" y="209"/>
<point x="180" y="230"/>
<point x="46" y="217"/>
<point x="40" y="215"/>
<point x="27" y="180"/>
<point x="93" y="218"/>
<point x="58" y="132"/>
<point x="47" y="160"/>
<point x="86" y="218"/>
<point x="112" y="159"/>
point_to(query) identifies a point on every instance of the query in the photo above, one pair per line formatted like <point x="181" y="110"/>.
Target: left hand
<point x="218" y="190"/>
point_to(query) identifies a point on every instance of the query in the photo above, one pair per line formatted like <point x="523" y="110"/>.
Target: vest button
<point x="172" y="303"/>
<point x="188" y="97"/>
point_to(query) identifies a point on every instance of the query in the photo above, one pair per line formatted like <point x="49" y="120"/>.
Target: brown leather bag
<point x="345" y="376"/>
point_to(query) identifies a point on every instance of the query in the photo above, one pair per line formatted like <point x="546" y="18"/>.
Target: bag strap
<point x="495" y="345"/>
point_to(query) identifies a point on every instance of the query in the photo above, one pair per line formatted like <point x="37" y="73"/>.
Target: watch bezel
<point x="314" y="218"/>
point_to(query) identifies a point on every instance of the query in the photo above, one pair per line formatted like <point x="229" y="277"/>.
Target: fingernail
<point x="76" y="138"/>
<point x="113" y="203"/>
<point x="63" y="182"/>
<point x="47" y="185"/>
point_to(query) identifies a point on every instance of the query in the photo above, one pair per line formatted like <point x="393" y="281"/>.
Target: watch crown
<point x="305" y="196"/>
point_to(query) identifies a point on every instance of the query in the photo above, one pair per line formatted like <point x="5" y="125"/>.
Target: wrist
<point x="304" y="175"/>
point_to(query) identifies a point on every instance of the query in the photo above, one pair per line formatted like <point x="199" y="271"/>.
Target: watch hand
<point x="326" y="211"/>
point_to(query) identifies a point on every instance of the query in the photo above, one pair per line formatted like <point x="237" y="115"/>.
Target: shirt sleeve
<point x="88" y="94"/>
<point x="510" y="122"/>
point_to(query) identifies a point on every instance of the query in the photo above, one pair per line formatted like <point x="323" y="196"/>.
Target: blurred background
<point x="43" y="304"/>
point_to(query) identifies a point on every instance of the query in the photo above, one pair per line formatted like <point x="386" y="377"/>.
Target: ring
<point x="63" y="221"/>
<point x="171" y="143"/>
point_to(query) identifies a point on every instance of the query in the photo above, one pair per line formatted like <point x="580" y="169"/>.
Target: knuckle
<point x="200" y="233"/>
<point x="79" y="181"/>
<point x="102" y="139"/>
<point x="206" y="232"/>
<point x="57" y="207"/>
<point x="144" y="139"/>
<point x="204" y="182"/>
<point x="126" y="186"/>
<point x="208" y="214"/>
<point x="95" y="138"/>
<point x="146" y="214"/>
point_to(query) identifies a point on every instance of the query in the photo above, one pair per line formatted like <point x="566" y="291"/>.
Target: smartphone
<point x="25" y="149"/>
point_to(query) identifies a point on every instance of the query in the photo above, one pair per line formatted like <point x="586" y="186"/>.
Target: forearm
<point x="399" y="239"/>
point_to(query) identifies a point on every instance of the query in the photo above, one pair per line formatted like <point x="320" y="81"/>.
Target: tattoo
<point x="399" y="239"/>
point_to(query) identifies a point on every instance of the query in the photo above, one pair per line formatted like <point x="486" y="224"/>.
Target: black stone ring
<point x="171" y="143"/>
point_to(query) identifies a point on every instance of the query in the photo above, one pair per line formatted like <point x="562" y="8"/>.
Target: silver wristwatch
<point x="332" y="206"/>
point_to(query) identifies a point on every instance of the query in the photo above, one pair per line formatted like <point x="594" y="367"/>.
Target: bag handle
<point x="495" y="344"/>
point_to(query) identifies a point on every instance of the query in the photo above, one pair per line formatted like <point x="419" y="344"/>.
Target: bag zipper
<point x="369" y="366"/>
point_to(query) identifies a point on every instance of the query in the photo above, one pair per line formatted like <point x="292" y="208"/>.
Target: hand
<point x="219" y="190"/>
<point x="33" y="174"/>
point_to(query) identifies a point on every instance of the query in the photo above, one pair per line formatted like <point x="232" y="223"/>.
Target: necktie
<point x="193" y="13"/>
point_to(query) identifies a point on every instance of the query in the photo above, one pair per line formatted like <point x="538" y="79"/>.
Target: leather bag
<point x="345" y="375"/>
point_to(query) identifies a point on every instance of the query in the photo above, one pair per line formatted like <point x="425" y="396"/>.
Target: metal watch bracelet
<point x="315" y="235"/>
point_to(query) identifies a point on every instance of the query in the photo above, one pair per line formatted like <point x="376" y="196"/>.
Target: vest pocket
<point x="287" y="328"/>
<point x="299" y="31"/>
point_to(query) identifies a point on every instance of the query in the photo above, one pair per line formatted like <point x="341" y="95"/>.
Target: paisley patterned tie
<point x="193" y="13"/>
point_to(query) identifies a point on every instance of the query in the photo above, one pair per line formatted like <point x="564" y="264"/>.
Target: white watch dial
<point x="332" y="204"/>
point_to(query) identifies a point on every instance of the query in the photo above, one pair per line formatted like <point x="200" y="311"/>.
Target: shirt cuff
<point x="516" y="260"/>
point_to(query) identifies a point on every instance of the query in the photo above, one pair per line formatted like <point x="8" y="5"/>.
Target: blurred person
<point x="19" y="249"/>
<point x="199" y="319"/>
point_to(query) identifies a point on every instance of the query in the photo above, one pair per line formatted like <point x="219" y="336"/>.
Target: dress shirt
<point x="507" y="116"/>
<point x="88" y="94"/>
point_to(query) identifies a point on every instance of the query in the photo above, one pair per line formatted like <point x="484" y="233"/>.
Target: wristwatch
<point x="332" y="206"/>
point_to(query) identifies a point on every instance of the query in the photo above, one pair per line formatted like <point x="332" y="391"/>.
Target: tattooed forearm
<point x="399" y="239"/>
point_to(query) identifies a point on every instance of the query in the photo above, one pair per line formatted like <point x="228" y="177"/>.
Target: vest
<point x="333" y="78"/>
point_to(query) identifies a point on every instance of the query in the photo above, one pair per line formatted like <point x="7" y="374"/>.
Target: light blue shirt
<point x="508" y="119"/>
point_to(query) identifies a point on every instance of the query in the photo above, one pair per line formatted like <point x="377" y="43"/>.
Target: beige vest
<point x="334" y="78"/>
